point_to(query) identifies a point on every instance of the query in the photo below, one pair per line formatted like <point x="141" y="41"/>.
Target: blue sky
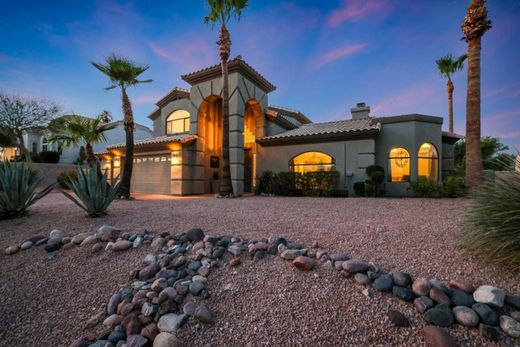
<point x="323" y="56"/>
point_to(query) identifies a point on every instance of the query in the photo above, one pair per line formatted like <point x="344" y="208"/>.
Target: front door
<point x="248" y="170"/>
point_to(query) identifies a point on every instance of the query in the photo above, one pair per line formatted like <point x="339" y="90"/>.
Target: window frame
<point x="389" y="165"/>
<point x="419" y="157"/>
<point x="332" y="164"/>
<point x="185" y="123"/>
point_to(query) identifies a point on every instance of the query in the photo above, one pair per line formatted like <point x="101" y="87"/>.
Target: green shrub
<point x="376" y="175"/>
<point x="359" y="188"/>
<point x="492" y="225"/>
<point x="453" y="187"/>
<point x="425" y="187"/>
<point x="321" y="183"/>
<point x="66" y="176"/>
<point x="35" y="158"/>
<point x="91" y="191"/>
<point x="18" y="183"/>
<point x="51" y="157"/>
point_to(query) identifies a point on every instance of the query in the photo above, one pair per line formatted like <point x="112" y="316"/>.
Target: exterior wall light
<point x="176" y="158"/>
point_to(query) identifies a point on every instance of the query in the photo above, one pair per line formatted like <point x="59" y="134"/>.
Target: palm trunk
<point x="91" y="158"/>
<point x="474" y="168"/>
<point x="226" y="188"/>
<point x="124" y="188"/>
<point x="21" y="146"/>
<point x="450" y="106"/>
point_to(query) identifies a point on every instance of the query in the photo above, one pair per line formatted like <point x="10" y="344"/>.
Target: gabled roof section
<point x="329" y="131"/>
<point x="155" y="113"/>
<point x="182" y="138"/>
<point x="289" y="112"/>
<point x="174" y="94"/>
<point x="235" y="65"/>
<point x="280" y="119"/>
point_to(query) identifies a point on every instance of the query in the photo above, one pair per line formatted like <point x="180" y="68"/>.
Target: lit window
<point x="399" y="165"/>
<point x="312" y="162"/>
<point x="428" y="162"/>
<point x="178" y="122"/>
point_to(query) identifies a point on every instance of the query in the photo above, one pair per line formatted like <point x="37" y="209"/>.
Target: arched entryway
<point x="254" y="125"/>
<point x="209" y="133"/>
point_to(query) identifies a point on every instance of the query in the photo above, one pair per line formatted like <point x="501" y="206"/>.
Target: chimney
<point x="361" y="111"/>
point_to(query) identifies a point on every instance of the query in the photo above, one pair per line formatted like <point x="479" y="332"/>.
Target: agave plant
<point x="18" y="183"/>
<point x="92" y="191"/>
<point x="492" y="229"/>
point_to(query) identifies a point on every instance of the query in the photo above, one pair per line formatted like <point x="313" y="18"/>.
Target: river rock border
<point x="159" y="298"/>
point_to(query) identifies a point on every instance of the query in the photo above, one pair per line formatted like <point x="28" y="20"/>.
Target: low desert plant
<point x="18" y="183"/>
<point x="426" y="188"/>
<point x="376" y="176"/>
<point x="359" y="188"/>
<point x="320" y="183"/>
<point x="453" y="187"/>
<point x="66" y="176"/>
<point x="265" y="183"/>
<point x="492" y="226"/>
<point x="91" y="191"/>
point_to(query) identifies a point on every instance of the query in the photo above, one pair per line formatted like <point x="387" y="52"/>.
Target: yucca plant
<point x="18" y="183"/>
<point x="492" y="229"/>
<point x="92" y="191"/>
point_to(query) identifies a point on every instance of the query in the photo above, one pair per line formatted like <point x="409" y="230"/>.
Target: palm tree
<point x="123" y="73"/>
<point x="75" y="130"/>
<point x="475" y="24"/>
<point x="221" y="11"/>
<point x="447" y="67"/>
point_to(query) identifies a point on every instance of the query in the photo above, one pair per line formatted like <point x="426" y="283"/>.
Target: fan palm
<point x="221" y="12"/>
<point x="447" y="66"/>
<point x="124" y="73"/>
<point x="76" y="130"/>
<point x="475" y="24"/>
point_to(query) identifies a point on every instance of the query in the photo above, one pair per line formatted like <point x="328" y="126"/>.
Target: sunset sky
<point x="323" y="56"/>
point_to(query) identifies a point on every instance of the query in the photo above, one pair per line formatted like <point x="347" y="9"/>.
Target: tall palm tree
<point x="475" y="24"/>
<point x="447" y="67"/>
<point x="221" y="11"/>
<point x="76" y="130"/>
<point x="124" y="73"/>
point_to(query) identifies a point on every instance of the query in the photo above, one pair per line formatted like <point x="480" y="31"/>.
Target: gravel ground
<point x="45" y="303"/>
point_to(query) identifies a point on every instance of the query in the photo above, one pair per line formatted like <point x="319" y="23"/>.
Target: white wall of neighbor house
<point x="351" y="158"/>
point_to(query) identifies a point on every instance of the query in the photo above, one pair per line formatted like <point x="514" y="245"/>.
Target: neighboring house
<point x="183" y="157"/>
<point x="37" y="142"/>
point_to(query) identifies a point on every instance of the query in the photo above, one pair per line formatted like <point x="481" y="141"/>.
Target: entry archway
<point x="209" y="131"/>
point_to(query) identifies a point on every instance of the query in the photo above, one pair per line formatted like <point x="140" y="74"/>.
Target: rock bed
<point x="171" y="288"/>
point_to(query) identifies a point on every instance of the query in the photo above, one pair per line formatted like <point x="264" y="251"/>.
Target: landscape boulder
<point x="490" y="295"/>
<point x="510" y="326"/>
<point x="355" y="266"/>
<point x="437" y="337"/>
<point x="121" y="245"/>
<point x="303" y="263"/>
<point x="440" y="315"/>
<point x="165" y="339"/>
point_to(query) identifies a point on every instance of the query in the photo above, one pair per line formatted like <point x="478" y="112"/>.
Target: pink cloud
<point x="355" y="10"/>
<point x="186" y="53"/>
<point x="415" y="98"/>
<point x="502" y="117"/>
<point x="336" y="54"/>
<point x="510" y="135"/>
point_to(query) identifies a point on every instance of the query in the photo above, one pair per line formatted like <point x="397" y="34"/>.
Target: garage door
<point x="151" y="175"/>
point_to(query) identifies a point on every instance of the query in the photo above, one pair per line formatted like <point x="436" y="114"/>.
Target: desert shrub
<point x="265" y="183"/>
<point x="453" y="187"/>
<point x="18" y="183"/>
<point x="359" y="188"/>
<point x="51" y="157"/>
<point x="376" y="176"/>
<point x="492" y="225"/>
<point x="322" y="183"/>
<point x="35" y="157"/>
<point x="66" y="176"/>
<point x="425" y="187"/>
<point x="91" y="191"/>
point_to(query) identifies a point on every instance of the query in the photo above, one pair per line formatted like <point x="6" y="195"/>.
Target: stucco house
<point x="183" y="156"/>
<point x="37" y="141"/>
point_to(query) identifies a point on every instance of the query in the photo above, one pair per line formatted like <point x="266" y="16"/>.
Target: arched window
<point x="399" y="165"/>
<point x="178" y="122"/>
<point x="428" y="162"/>
<point x="45" y="144"/>
<point x="312" y="162"/>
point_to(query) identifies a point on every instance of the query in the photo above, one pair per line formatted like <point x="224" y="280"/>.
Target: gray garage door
<point x="151" y="175"/>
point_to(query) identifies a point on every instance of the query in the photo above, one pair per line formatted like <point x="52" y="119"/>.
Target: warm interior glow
<point x="428" y="162"/>
<point x="178" y="122"/>
<point x="399" y="165"/>
<point x="176" y="157"/>
<point x="117" y="162"/>
<point x="7" y="153"/>
<point x="311" y="162"/>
